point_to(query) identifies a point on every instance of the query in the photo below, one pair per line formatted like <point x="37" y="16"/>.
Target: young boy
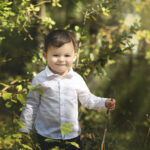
<point x="62" y="89"/>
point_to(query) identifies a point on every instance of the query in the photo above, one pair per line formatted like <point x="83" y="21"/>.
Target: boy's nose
<point x="61" y="58"/>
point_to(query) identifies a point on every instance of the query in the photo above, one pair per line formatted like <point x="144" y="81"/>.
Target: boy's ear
<point x="45" y="55"/>
<point x="75" y="57"/>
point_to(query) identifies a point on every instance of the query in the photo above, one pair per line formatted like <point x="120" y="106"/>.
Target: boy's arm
<point x="30" y="109"/>
<point x="89" y="100"/>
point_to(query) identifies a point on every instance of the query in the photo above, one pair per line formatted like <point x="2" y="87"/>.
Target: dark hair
<point x="57" y="38"/>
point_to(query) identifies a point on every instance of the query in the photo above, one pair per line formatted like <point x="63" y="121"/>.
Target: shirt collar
<point x="50" y="73"/>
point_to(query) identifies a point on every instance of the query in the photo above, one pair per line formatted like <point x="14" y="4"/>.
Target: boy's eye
<point x="55" y="55"/>
<point x="67" y="55"/>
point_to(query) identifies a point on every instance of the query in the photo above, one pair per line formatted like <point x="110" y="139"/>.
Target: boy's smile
<point x="60" y="59"/>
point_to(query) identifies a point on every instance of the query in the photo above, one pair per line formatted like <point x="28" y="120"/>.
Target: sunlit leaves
<point x="21" y="98"/>
<point x="56" y="3"/>
<point x="143" y="34"/>
<point x="91" y="56"/>
<point x="27" y="147"/>
<point x="55" y="148"/>
<point x="77" y="28"/>
<point x="4" y="4"/>
<point x="19" y="87"/>
<point x="13" y="94"/>
<point x="23" y="15"/>
<point x="105" y="10"/>
<point x="66" y="128"/>
<point x="147" y="55"/>
<point x="66" y="142"/>
<point x="47" y="21"/>
<point x="6" y="95"/>
<point x="87" y="71"/>
<point x="37" y="89"/>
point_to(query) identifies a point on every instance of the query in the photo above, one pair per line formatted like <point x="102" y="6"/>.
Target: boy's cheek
<point x="52" y="59"/>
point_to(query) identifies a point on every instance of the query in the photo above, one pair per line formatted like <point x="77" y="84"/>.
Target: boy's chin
<point x="62" y="73"/>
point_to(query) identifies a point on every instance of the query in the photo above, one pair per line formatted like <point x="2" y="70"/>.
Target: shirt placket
<point x="61" y="104"/>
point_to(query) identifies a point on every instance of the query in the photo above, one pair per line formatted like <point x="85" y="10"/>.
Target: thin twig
<point x="148" y="134"/>
<point x="105" y="129"/>
<point x="146" y="138"/>
<point x="13" y="82"/>
<point x="78" y="56"/>
<point x="29" y="35"/>
<point x="7" y="87"/>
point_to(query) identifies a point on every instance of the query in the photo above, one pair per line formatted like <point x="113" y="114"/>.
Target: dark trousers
<point x="60" y="144"/>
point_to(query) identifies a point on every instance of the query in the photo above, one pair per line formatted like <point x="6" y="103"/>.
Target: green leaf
<point x="37" y="8"/>
<point x="3" y="84"/>
<point x="49" y="140"/>
<point x="36" y="89"/>
<point x="20" y="123"/>
<point x="21" y="98"/>
<point x="14" y="100"/>
<point x="17" y="135"/>
<point x="39" y="90"/>
<point x="93" y="18"/>
<point x="66" y="128"/>
<point x="104" y="72"/>
<point x="76" y="28"/>
<point x="91" y="56"/>
<point x="8" y="138"/>
<point x="31" y="87"/>
<point x="55" y="148"/>
<point x="27" y="147"/>
<point x="86" y="73"/>
<point x="6" y="95"/>
<point x="106" y="13"/>
<point x="83" y="37"/>
<point x="74" y="144"/>
<point x="19" y="88"/>
<point x="8" y="104"/>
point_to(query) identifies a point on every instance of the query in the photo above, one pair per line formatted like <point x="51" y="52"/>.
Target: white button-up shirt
<point x="58" y="105"/>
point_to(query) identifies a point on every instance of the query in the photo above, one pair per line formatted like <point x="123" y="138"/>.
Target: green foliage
<point x="22" y="15"/>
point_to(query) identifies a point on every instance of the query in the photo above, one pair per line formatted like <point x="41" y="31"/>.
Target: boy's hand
<point x="110" y="104"/>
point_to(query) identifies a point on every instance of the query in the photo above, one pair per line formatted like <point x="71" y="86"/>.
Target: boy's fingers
<point x="111" y="105"/>
<point x="113" y="100"/>
<point x="111" y="108"/>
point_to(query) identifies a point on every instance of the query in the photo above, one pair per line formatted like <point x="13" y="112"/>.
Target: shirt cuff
<point x="103" y="104"/>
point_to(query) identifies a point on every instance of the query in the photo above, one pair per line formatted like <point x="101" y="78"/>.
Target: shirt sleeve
<point x="30" y="109"/>
<point x="88" y="99"/>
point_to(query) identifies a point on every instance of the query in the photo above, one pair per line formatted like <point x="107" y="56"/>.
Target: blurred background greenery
<point x="114" y="59"/>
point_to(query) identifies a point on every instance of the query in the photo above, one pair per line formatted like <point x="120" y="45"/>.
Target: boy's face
<point x="60" y="59"/>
